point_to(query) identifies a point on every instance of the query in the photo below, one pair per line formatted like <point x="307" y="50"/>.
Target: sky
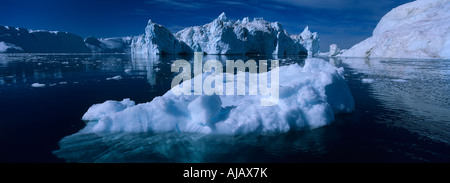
<point x="343" y="22"/>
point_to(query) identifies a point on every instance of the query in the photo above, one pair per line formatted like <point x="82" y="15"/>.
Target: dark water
<point x="402" y="114"/>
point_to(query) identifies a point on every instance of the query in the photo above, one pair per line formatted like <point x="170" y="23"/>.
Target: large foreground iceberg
<point x="224" y="36"/>
<point x="309" y="97"/>
<point x="37" y="41"/>
<point x="419" y="29"/>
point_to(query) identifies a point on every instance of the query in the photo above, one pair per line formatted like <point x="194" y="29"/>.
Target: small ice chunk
<point x="37" y="85"/>
<point x="399" y="80"/>
<point x="367" y="80"/>
<point x="62" y="83"/>
<point x="127" y="70"/>
<point x="119" y="77"/>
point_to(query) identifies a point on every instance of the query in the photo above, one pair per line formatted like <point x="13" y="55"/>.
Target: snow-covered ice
<point x="419" y="29"/>
<point x="99" y="111"/>
<point x="309" y="98"/>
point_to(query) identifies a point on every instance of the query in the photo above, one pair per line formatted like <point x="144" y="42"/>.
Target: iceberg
<point x="334" y="50"/>
<point x="158" y="40"/>
<point x="419" y="29"/>
<point x="109" y="45"/>
<point x="224" y="36"/>
<point x="19" y="40"/>
<point x="8" y="47"/>
<point x="309" y="41"/>
<point x="309" y="98"/>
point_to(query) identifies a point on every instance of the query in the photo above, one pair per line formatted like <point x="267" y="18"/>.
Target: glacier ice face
<point x="224" y="36"/>
<point x="418" y="29"/>
<point x="158" y="40"/>
<point x="309" y="98"/>
<point x="37" y="41"/>
<point x="109" y="45"/>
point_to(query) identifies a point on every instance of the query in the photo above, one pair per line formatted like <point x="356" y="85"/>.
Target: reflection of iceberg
<point x="335" y="61"/>
<point x="146" y="62"/>
<point x="151" y="74"/>
<point x="221" y="58"/>
<point x="309" y="98"/>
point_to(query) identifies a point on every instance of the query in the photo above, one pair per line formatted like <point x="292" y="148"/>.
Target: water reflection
<point x="25" y="69"/>
<point x="417" y="91"/>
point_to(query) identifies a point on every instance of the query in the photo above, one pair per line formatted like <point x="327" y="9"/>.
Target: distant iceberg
<point x="419" y="29"/>
<point x="223" y="36"/>
<point x="19" y="40"/>
<point x="309" y="98"/>
<point x="157" y="40"/>
<point x="109" y="45"/>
